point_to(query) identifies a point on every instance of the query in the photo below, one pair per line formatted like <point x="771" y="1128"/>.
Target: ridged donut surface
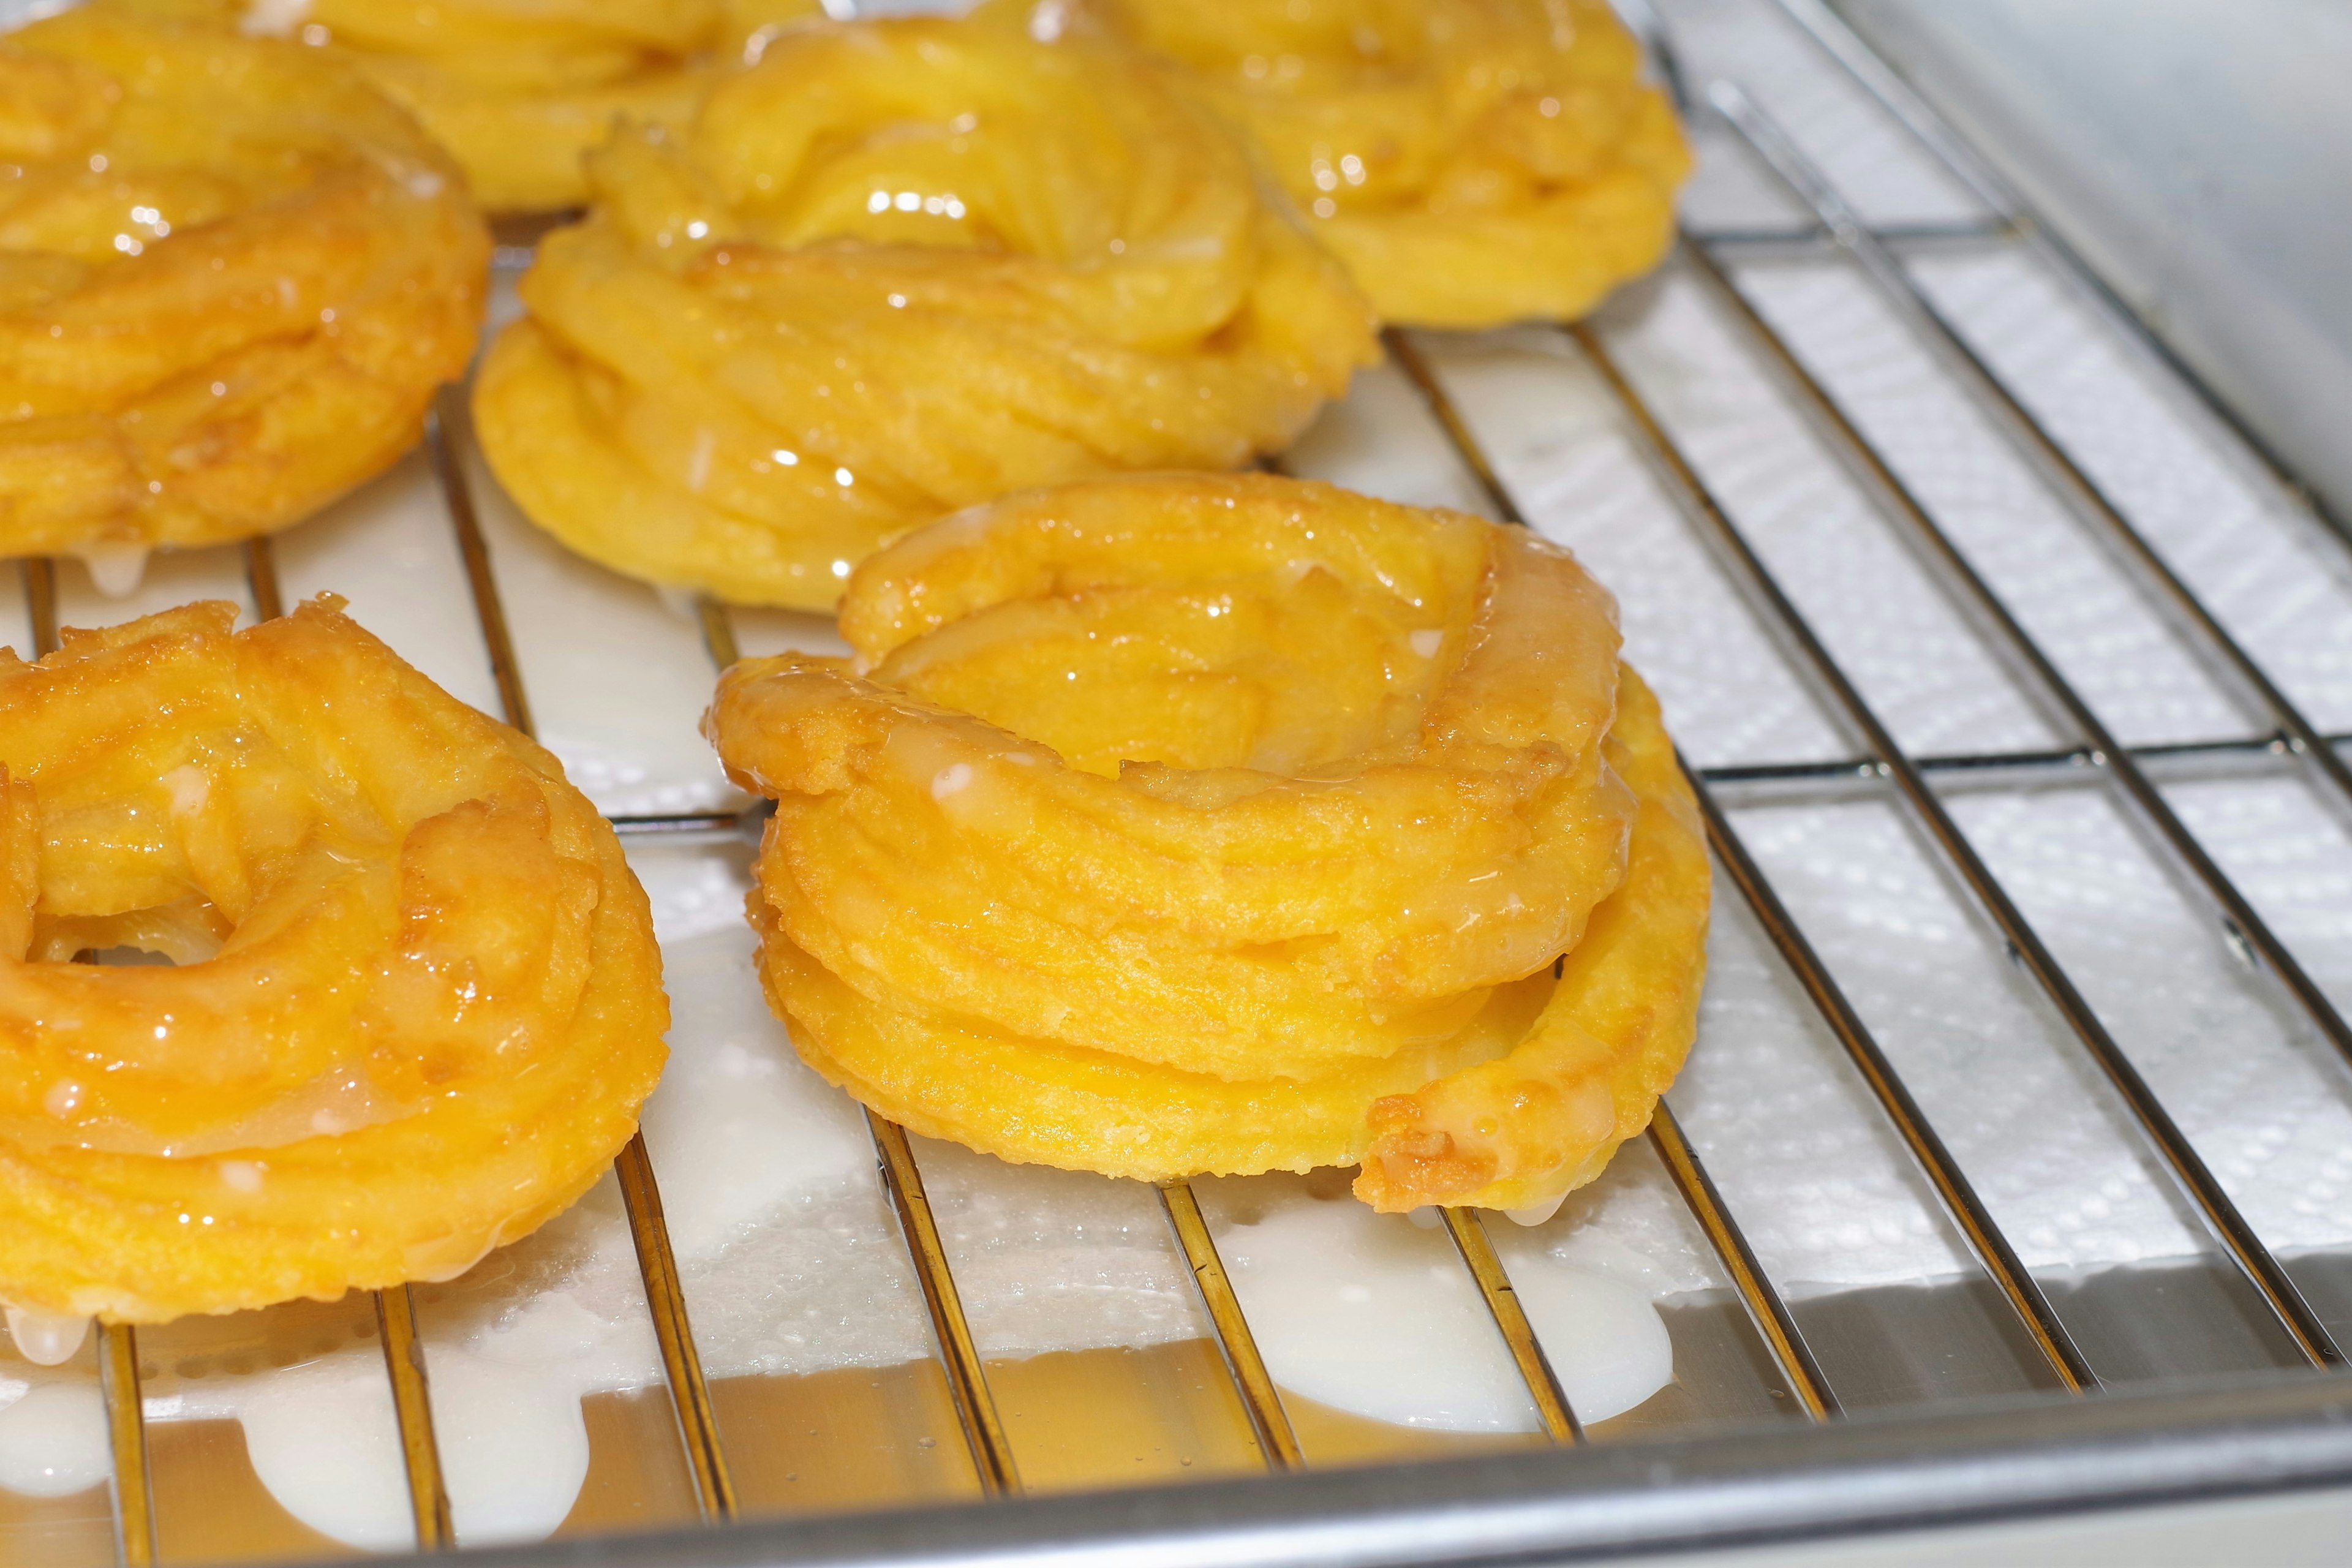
<point x="231" y="277"/>
<point x="517" y="90"/>
<point x="416" y="1001"/>
<point x="896" y="268"/>
<point x="1473" y="162"/>
<point x="1200" y="823"/>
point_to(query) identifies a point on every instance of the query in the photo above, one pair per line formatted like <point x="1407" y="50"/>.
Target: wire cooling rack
<point x="1823" y="178"/>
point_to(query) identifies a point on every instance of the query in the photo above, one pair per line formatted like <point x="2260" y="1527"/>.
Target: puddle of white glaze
<point x="1375" y="1315"/>
<point x="53" y="1437"/>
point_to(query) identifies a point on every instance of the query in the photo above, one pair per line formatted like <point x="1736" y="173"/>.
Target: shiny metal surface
<point x="1268" y="1420"/>
<point x="412" y="1407"/>
<point x="1806" y="1370"/>
<point x="1765" y="1307"/>
<point x="1468" y="1230"/>
<point x="134" y="1499"/>
<point x="41" y="602"/>
<point x="2215" y="222"/>
<point x="2071" y="709"/>
<point x="983" y="1426"/>
<point x="2066" y="477"/>
<point x="2197" y="1180"/>
<point x="442" y="433"/>
<point x="690" y="1396"/>
<point x="697" y="1424"/>
<point x="1960" y="1202"/>
<point x="2005" y="1461"/>
<point x="262" y="578"/>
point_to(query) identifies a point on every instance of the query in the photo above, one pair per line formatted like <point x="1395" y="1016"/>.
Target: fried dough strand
<point x="1473" y="162"/>
<point x="416" y="1000"/>
<point x="1519" y="1131"/>
<point x="1103" y="862"/>
<point x="231" y="277"/>
<point x="517" y="90"/>
<point x="1525" y="1103"/>
<point x="896" y="268"/>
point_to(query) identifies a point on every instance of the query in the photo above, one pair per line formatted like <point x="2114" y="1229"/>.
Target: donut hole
<point x="168" y="863"/>
<point x="125" y="957"/>
<point x="189" y="930"/>
<point x="1297" y="675"/>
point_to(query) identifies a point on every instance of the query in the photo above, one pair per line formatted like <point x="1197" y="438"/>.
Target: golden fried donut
<point x="516" y="90"/>
<point x="1473" y="162"/>
<point x="896" y="268"/>
<point x="416" y="1004"/>
<point x="231" y="277"/>
<point x="1349" y="748"/>
<point x="1225" y="824"/>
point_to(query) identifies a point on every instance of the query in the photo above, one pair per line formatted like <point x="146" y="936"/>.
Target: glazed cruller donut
<point x="896" y="268"/>
<point x="231" y="277"/>
<point x="416" y="1001"/>
<point x="1230" y="824"/>
<point x="518" y="89"/>
<point x="1472" y="162"/>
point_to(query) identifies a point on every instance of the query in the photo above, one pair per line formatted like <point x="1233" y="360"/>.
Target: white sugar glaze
<point x="793" y="1265"/>
<point x="618" y="679"/>
<point x="1378" y="1316"/>
<point x="46" y="1339"/>
<point x="115" y="570"/>
<point x="52" y="1436"/>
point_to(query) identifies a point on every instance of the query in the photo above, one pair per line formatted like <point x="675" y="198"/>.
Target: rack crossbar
<point x="2074" y="487"/>
<point x="411" y="1409"/>
<point x="40" y="576"/>
<point x="1766" y="1307"/>
<point x="976" y="1403"/>
<point x="126" y="1434"/>
<point x="2063" y="703"/>
<point x="1261" y="1400"/>
<point x="1468" y="1230"/>
<point x="1959" y="1197"/>
<point x="697" y="1423"/>
<point x="984" y="1432"/>
<point x="2189" y="1170"/>
<point x="1767" y="1310"/>
<point x="1856" y="59"/>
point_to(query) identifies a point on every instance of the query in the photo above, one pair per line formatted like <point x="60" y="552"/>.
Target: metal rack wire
<point x="2090" y="756"/>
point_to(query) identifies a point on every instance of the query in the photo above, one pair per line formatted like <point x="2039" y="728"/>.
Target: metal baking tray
<point x="2013" y="675"/>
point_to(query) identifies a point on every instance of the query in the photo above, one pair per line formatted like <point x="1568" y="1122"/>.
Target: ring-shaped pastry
<point x="1473" y="162"/>
<point x="1176" y="823"/>
<point x="518" y="91"/>
<point x="896" y="268"/>
<point x="231" y="276"/>
<point x="1525" y="1103"/>
<point x="416" y="1000"/>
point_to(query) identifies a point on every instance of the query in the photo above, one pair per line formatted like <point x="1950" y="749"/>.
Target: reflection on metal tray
<point x="2007" y="1175"/>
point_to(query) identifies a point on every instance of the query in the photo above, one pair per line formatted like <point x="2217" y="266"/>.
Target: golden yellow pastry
<point x="1228" y="824"/>
<point x="518" y="90"/>
<point x="896" y="268"/>
<point x="231" y="277"/>
<point x="415" y="1004"/>
<point x="1473" y="162"/>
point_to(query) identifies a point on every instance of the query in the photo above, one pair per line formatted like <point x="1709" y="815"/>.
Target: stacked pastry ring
<point x="1473" y="162"/>
<point x="230" y="278"/>
<point x="896" y="268"/>
<point x="518" y="92"/>
<point x="417" y="1001"/>
<point x="1200" y="824"/>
